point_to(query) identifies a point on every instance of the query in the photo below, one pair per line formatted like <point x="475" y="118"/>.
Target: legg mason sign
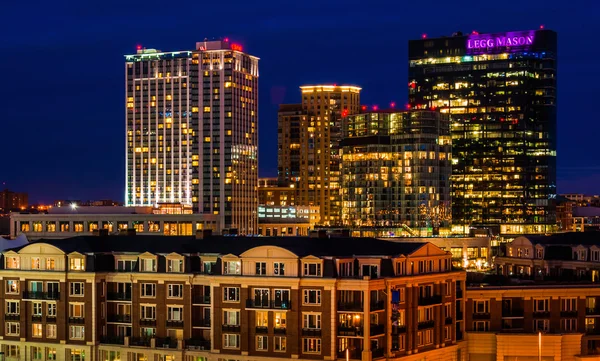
<point x="503" y="42"/>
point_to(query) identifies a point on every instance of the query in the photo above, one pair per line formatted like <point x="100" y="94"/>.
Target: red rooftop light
<point x="139" y="47"/>
<point x="407" y="106"/>
<point x="364" y="107"/>
<point x="393" y="104"/>
<point x="375" y="107"/>
<point x="542" y="26"/>
<point x="475" y="32"/>
<point x="424" y="36"/>
<point x="226" y="40"/>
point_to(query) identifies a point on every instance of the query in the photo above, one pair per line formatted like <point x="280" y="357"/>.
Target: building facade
<point x="271" y="193"/>
<point x="10" y="201"/>
<point x="395" y="165"/>
<point x="287" y="220"/>
<point x="573" y="256"/>
<point x="556" y="322"/>
<point x="235" y="298"/>
<point x="80" y="221"/>
<point x="500" y="93"/>
<point x="192" y="131"/>
<point x="308" y="140"/>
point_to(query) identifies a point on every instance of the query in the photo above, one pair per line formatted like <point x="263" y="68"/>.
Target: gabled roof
<point x="301" y="246"/>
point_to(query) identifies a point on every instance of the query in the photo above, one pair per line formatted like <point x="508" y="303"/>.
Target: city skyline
<point x="67" y="143"/>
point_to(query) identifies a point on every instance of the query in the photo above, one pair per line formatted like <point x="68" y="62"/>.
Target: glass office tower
<point x="500" y="93"/>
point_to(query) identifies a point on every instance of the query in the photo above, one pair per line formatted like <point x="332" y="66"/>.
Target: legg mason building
<point x="500" y="93"/>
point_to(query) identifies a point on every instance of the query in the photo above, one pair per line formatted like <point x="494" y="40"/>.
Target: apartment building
<point x="556" y="322"/>
<point x="573" y="256"/>
<point x="206" y="298"/>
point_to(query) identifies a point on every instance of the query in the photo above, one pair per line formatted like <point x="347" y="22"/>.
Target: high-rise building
<point x="192" y="131"/>
<point x="309" y="136"/>
<point x="395" y="167"/>
<point x="500" y="93"/>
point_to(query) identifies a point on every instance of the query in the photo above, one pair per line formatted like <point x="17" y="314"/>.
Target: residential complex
<point x="394" y="165"/>
<point x="308" y="141"/>
<point x="529" y="322"/>
<point x="500" y="93"/>
<point x="237" y="298"/>
<point x="192" y="131"/>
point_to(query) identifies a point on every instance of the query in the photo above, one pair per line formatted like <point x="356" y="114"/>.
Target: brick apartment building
<point x="154" y="298"/>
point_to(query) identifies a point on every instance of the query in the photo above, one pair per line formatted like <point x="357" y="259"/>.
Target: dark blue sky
<point x="62" y="84"/>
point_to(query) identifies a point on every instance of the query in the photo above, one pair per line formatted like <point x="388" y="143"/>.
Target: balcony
<point x="350" y="306"/>
<point x="349" y="330"/>
<point x="378" y="305"/>
<point x="448" y="321"/>
<point x="147" y="322"/>
<point x="50" y="319"/>
<point x="353" y="354"/>
<point x="592" y="311"/>
<point x="378" y="353"/>
<point x="398" y="329"/>
<point x="197" y="344"/>
<point x="230" y="328"/>
<point x="262" y="329"/>
<point x="175" y="323"/>
<point x="279" y="330"/>
<point x="201" y="323"/>
<point x="512" y="313"/>
<point x="36" y="318"/>
<point x="77" y="320"/>
<point x="311" y="332"/>
<point x="140" y="341"/>
<point x="118" y="296"/>
<point x="541" y="314"/>
<point x="570" y="314"/>
<point x="12" y="317"/>
<point x="119" y="318"/>
<point x="38" y="295"/>
<point x="276" y="305"/>
<point x="166" y="342"/>
<point x="481" y="316"/>
<point x="112" y="340"/>
<point x="376" y="330"/>
<point x="459" y="294"/>
<point x="201" y="299"/>
<point x="426" y="324"/>
<point x="428" y="301"/>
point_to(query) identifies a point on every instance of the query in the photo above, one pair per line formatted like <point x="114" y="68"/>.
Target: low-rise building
<point x="230" y="298"/>
<point x="573" y="256"/>
<point x="287" y="220"/>
<point x="63" y="222"/>
<point x="556" y="322"/>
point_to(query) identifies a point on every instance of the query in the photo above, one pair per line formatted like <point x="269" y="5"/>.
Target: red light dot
<point x="139" y="47"/>
<point x="433" y="107"/>
<point x="393" y="104"/>
<point x="541" y="26"/>
<point x="407" y="106"/>
<point x="475" y="32"/>
<point x="364" y="107"/>
<point x="226" y="39"/>
<point x="375" y="107"/>
<point x="424" y="36"/>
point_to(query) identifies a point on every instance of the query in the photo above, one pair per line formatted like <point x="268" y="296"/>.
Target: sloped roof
<point x="301" y="246"/>
<point x="569" y="239"/>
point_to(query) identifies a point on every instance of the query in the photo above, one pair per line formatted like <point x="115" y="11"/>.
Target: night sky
<point x="62" y="84"/>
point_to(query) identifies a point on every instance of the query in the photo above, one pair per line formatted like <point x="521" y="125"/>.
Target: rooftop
<point x="301" y="246"/>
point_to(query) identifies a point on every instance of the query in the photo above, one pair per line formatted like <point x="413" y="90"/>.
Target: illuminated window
<point x="194" y="109"/>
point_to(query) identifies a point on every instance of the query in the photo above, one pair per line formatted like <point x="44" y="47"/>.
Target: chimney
<point x="203" y="233"/>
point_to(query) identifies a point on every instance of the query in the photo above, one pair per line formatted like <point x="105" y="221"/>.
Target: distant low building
<point x="586" y="219"/>
<point x="287" y="220"/>
<point x="10" y="200"/>
<point x="63" y="222"/>
<point x="573" y="256"/>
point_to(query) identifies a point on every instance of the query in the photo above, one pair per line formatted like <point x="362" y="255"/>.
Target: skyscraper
<point x="394" y="163"/>
<point x="500" y="92"/>
<point x="309" y="136"/>
<point x="192" y="131"/>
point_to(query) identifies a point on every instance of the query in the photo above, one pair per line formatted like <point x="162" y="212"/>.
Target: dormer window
<point x="312" y="269"/>
<point x="540" y="253"/>
<point x="232" y="268"/>
<point x="369" y="270"/>
<point x="13" y="263"/>
<point x="148" y="265"/>
<point x="125" y="265"/>
<point x="261" y="268"/>
<point x="35" y="263"/>
<point x="175" y="265"/>
<point x="346" y="269"/>
<point x="77" y="264"/>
